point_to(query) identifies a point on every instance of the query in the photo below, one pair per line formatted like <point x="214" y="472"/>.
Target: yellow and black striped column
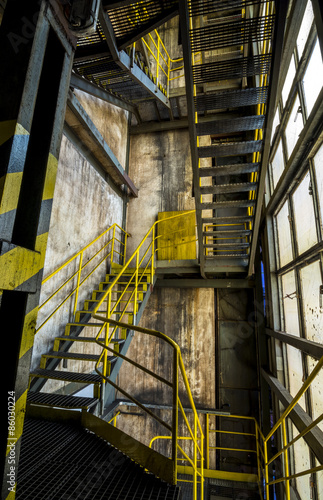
<point x="35" y="57"/>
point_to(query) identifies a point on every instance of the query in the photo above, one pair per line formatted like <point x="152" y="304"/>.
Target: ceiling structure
<point x="232" y="51"/>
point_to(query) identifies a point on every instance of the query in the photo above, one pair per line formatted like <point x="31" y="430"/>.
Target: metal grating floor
<point x="60" y="461"/>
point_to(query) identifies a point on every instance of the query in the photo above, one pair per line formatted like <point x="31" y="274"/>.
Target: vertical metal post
<point x="125" y="249"/>
<point x="202" y="466"/>
<point x="258" y="453"/>
<point x="207" y="439"/>
<point x="78" y="283"/>
<point x="136" y="286"/>
<point x="157" y="71"/>
<point x="195" y="459"/>
<point x="175" y="413"/>
<point x="112" y="246"/>
<point x="286" y="460"/>
<point x="266" y="469"/>
<point x="153" y="254"/>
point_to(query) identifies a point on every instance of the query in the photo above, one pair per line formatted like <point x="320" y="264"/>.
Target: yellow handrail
<point x="77" y="274"/>
<point x="178" y="368"/>
<point x="164" y="63"/>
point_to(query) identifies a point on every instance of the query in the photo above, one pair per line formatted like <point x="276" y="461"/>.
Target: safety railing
<point x="167" y="69"/>
<point x="194" y="431"/>
<point x="281" y="427"/>
<point x="109" y="246"/>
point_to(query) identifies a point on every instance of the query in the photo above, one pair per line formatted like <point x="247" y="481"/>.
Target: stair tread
<point x="227" y="188"/>
<point x="228" y="219"/>
<point x="228" y="204"/>
<point x="60" y="400"/>
<point x="237" y="245"/>
<point x="67" y="376"/>
<point x="230" y="233"/>
<point x="85" y="339"/>
<point x="238" y="168"/>
<point x="72" y="355"/>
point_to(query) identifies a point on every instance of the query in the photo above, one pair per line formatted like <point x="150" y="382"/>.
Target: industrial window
<point x="305" y="29"/>
<point x="294" y="126"/>
<point x="289" y="80"/>
<point x="278" y="164"/>
<point x="285" y="252"/>
<point x="305" y="225"/>
<point x="313" y="78"/>
<point x="296" y="164"/>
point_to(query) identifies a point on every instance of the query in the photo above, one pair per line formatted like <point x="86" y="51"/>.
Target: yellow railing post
<point x="153" y="254"/>
<point x="112" y="245"/>
<point x="207" y="440"/>
<point x="202" y="466"/>
<point x="266" y="468"/>
<point x="286" y="459"/>
<point x="136" y="286"/>
<point x="175" y="412"/>
<point x="157" y="71"/>
<point x="257" y="447"/>
<point x="124" y="249"/>
<point x="78" y="283"/>
<point x="195" y="460"/>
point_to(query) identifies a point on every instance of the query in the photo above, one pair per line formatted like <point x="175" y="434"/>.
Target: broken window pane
<point x="305" y="28"/>
<point x="311" y="280"/>
<point x="277" y="164"/>
<point x="284" y="236"/>
<point x="302" y="462"/>
<point x="304" y="215"/>
<point x="289" y="301"/>
<point x="318" y="168"/>
<point x="289" y="80"/>
<point x="294" y="126"/>
<point x="313" y="78"/>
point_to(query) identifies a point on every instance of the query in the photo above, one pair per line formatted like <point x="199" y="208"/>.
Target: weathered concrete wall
<point x="160" y="166"/>
<point x="188" y="317"/>
<point x="84" y="206"/>
<point x="112" y="123"/>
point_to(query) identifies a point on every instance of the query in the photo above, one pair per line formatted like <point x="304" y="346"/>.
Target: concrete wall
<point x="188" y="317"/>
<point x="84" y="206"/>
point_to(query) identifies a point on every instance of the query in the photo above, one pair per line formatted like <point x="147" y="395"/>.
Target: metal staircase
<point x="66" y="460"/>
<point x="108" y="57"/>
<point x="230" y="56"/>
<point x="121" y="303"/>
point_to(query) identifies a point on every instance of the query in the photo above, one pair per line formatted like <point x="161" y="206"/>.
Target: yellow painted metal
<point x="176" y="236"/>
<point x="82" y="267"/>
<point x="179" y="369"/>
<point x="18" y="265"/>
<point x="220" y="474"/>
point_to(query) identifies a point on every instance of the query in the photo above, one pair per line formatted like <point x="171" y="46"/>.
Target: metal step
<point x="228" y="256"/>
<point x="228" y="234"/>
<point x="228" y="204"/>
<point x="229" y="149"/>
<point x="71" y="355"/>
<point x="60" y="400"/>
<point x="83" y="378"/>
<point x="228" y="126"/>
<point x="237" y="169"/>
<point x="227" y="245"/>
<point x="234" y="219"/>
<point x="229" y="188"/>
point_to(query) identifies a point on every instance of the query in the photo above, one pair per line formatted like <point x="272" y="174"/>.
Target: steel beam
<point x="278" y="42"/>
<point x="311" y="348"/>
<point x="205" y="283"/>
<point x="318" y="16"/>
<point x="92" y="138"/>
<point x="86" y="86"/>
<point x="299" y="417"/>
<point x="187" y="56"/>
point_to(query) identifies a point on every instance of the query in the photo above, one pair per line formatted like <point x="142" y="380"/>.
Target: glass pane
<point x="284" y="236"/>
<point x="316" y="390"/>
<point x="290" y="303"/>
<point x="302" y="463"/>
<point x="319" y="481"/>
<point x="295" y="373"/>
<point x="304" y="216"/>
<point x="278" y="164"/>
<point x="313" y="78"/>
<point x="289" y="80"/>
<point x="310" y="281"/>
<point x="318" y="167"/>
<point x="275" y="123"/>
<point x="294" y="126"/>
<point x="305" y="28"/>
